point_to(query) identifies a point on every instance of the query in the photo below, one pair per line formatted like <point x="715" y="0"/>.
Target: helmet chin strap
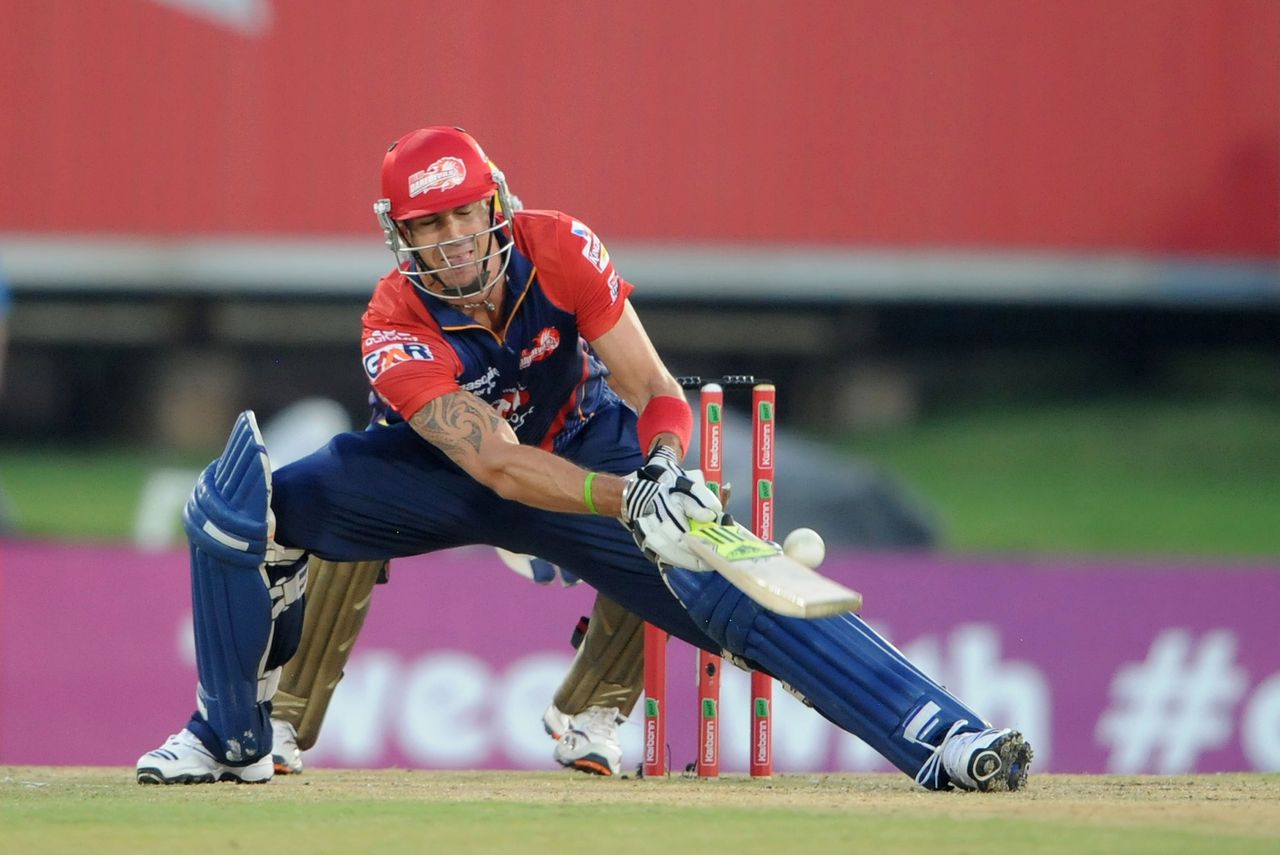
<point x="486" y="304"/>
<point x="456" y="297"/>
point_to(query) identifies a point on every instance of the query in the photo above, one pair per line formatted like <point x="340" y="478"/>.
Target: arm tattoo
<point x="456" y="423"/>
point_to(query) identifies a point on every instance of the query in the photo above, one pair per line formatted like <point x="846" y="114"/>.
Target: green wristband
<point x="586" y="493"/>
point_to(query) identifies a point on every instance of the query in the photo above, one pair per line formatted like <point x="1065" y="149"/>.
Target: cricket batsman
<point x="490" y="342"/>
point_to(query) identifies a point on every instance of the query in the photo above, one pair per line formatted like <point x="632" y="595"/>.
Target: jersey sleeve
<point x="576" y="272"/>
<point x="407" y="364"/>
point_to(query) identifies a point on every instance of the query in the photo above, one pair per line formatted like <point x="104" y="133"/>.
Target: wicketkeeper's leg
<point x="602" y="686"/>
<point x="338" y="597"/>
<point x="608" y="670"/>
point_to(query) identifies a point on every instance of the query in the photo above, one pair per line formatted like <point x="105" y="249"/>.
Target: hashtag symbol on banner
<point x="1176" y="704"/>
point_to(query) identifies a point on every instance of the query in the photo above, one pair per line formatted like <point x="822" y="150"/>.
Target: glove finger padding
<point x="539" y="570"/>
<point x="660" y="540"/>
<point x="661" y="465"/>
<point x="637" y="498"/>
<point x="695" y="499"/>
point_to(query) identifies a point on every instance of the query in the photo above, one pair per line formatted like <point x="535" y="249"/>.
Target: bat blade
<point x="761" y="571"/>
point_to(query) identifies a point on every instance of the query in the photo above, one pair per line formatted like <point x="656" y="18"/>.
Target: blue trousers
<point x="387" y="493"/>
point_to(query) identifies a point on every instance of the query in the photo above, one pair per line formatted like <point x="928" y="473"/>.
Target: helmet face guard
<point x="433" y="170"/>
<point x="411" y="259"/>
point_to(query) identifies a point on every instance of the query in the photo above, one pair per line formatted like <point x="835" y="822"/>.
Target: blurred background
<point x="1014" y="266"/>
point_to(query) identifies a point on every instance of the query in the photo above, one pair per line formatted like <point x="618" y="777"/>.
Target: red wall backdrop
<point x="1149" y="125"/>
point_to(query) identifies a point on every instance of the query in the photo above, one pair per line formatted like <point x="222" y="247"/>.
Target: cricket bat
<point x="761" y="571"/>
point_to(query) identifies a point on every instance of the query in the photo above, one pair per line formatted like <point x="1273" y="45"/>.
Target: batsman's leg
<point x="599" y="691"/>
<point x="338" y="597"/>
<point x="857" y="679"/>
<point x="246" y="609"/>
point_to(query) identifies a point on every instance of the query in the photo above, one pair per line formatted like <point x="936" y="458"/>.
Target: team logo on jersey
<point x="544" y="345"/>
<point x="391" y="355"/>
<point x="444" y="173"/>
<point x="613" y="287"/>
<point x="593" y="250"/>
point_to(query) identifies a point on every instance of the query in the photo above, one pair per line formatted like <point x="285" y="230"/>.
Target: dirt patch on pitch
<point x="1242" y="804"/>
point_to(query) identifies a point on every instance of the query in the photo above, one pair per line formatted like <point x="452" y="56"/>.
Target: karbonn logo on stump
<point x="445" y="173"/>
<point x="764" y="490"/>
<point x="764" y="454"/>
<point x="713" y="437"/>
<point x="651" y="747"/>
<point x="762" y="731"/>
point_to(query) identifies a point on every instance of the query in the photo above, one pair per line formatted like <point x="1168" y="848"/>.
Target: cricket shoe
<point x="183" y="759"/>
<point x="587" y="741"/>
<point x="556" y="723"/>
<point x="286" y="756"/>
<point x="988" y="760"/>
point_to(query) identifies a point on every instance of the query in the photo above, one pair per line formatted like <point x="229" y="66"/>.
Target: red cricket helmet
<point x="432" y="170"/>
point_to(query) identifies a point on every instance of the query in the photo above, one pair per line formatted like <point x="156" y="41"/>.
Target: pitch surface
<point x="101" y="810"/>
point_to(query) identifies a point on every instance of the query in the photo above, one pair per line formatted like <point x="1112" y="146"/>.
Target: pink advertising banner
<point x="1109" y="666"/>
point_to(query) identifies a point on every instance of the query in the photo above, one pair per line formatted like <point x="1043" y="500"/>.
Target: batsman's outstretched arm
<point x="484" y="446"/>
<point x="636" y="372"/>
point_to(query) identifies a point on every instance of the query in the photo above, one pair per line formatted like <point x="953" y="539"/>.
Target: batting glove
<point x="657" y="504"/>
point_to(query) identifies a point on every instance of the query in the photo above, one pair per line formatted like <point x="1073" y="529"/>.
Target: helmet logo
<point x="445" y="173"/>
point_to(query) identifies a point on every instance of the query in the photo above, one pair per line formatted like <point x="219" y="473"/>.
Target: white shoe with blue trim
<point x="183" y="759"/>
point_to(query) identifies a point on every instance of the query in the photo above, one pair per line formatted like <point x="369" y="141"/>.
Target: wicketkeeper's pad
<point x="608" y="670"/>
<point x="338" y="597"/>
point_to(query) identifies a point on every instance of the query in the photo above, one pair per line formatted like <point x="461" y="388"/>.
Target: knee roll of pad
<point x="227" y="513"/>
<point x="839" y="665"/>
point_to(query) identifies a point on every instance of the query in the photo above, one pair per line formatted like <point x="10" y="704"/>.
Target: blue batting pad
<point x="840" y="665"/>
<point x="226" y="524"/>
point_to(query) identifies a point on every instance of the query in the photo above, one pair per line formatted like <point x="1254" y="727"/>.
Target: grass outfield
<point x="1148" y="477"/>
<point x="80" y="494"/>
<point x="101" y="810"/>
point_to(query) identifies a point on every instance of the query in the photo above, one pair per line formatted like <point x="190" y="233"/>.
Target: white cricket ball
<point x="806" y="546"/>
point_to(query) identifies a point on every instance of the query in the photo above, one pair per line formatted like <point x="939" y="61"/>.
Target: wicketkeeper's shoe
<point x="987" y="760"/>
<point x="587" y="741"/>
<point x="286" y="756"/>
<point x="556" y="723"/>
<point x="183" y="759"/>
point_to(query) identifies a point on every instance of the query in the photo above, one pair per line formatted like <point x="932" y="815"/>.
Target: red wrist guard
<point x="665" y="414"/>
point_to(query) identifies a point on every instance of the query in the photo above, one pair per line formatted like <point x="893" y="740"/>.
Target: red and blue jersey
<point x="538" y="371"/>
